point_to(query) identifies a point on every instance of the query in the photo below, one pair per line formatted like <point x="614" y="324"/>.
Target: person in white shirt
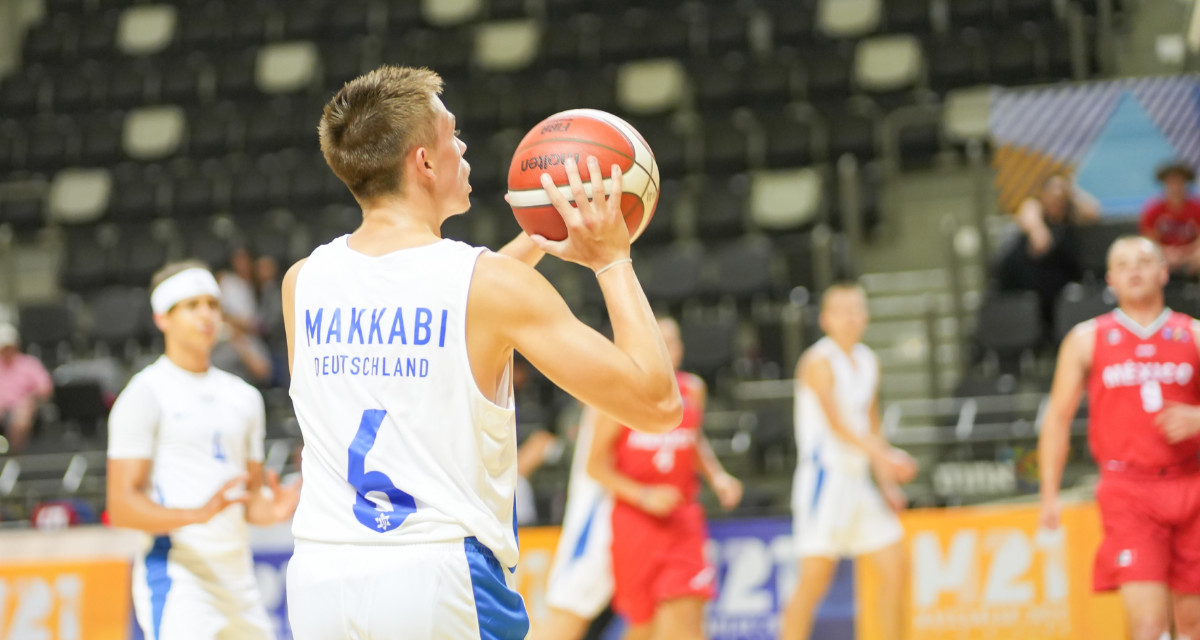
<point x="838" y="511"/>
<point x="400" y="344"/>
<point x="185" y="465"/>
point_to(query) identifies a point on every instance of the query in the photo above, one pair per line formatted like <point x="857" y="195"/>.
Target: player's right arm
<point x="288" y="291"/>
<point x="1054" y="442"/>
<point x="656" y="500"/>
<point x="511" y="306"/>
<point x="131" y="434"/>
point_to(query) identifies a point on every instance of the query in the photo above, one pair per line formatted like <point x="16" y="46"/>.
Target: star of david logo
<point x="383" y="522"/>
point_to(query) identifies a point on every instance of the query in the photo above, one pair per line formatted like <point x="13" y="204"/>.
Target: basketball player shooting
<point x="1138" y="365"/>
<point x="400" y="345"/>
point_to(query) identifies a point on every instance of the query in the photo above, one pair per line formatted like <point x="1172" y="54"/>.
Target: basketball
<point x="577" y="134"/>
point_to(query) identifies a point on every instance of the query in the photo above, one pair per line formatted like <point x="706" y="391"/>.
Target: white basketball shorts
<point x="183" y="595"/>
<point x="838" y="514"/>
<point x="581" y="580"/>
<point x="434" y="591"/>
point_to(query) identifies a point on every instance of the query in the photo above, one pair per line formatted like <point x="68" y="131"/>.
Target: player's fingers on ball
<point x="557" y="199"/>
<point x="576" y="182"/>
<point x="597" y="179"/>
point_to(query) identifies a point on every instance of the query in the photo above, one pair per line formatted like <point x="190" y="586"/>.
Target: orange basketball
<point x="577" y="134"/>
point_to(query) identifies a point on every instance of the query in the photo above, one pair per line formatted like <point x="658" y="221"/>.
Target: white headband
<point x="181" y="286"/>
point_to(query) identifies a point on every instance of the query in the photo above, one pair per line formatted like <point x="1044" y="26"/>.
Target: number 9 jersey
<point x="400" y="445"/>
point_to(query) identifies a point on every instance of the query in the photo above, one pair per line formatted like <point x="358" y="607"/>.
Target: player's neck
<point x="188" y="359"/>
<point x="1144" y="313"/>
<point x="398" y="223"/>
<point x="845" y="344"/>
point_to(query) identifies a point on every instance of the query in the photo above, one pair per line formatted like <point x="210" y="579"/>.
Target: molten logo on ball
<point x="546" y="148"/>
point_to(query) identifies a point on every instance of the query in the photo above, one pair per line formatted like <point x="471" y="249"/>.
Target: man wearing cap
<point x="185" y="456"/>
<point x="24" y="385"/>
<point x="1173" y="219"/>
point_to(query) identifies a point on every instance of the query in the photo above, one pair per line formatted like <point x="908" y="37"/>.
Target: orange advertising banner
<point x="65" y="600"/>
<point x="992" y="574"/>
<point x="533" y="571"/>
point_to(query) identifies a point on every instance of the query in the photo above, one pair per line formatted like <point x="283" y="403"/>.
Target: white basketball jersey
<point x="199" y="430"/>
<point x="855" y="381"/>
<point x="400" y="444"/>
<point x="582" y="490"/>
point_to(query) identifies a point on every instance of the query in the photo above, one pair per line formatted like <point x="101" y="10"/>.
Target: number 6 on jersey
<point x="389" y="507"/>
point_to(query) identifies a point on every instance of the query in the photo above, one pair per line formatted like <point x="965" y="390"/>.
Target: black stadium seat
<point x="720" y="208"/>
<point x="139" y="253"/>
<point x="1076" y="304"/>
<point x="46" y="326"/>
<point x="673" y="273"/>
<point x="954" y="61"/>
<point x="20" y="95"/>
<point x="1092" y="243"/>
<point x="713" y="350"/>
<point x="725" y="146"/>
<point x="742" y="269"/>
<point x="1010" y="324"/>
<point x="910" y="16"/>
<point x="117" y="316"/>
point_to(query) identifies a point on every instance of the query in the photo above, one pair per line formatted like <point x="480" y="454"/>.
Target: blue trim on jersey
<point x="158" y="580"/>
<point x="499" y="610"/>
<point x="581" y="543"/>
<point x="820" y="482"/>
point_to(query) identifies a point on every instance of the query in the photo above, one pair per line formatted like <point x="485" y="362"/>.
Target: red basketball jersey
<point x="1135" y="372"/>
<point x="666" y="458"/>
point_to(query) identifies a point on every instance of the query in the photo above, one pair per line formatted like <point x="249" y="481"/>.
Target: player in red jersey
<point x="660" y="577"/>
<point x="1139" y="365"/>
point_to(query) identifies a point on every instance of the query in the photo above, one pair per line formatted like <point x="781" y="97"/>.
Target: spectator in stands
<point x="1039" y="255"/>
<point x="270" y="297"/>
<point x="243" y="354"/>
<point x="24" y="385"/>
<point x="1173" y="219"/>
<point x="239" y="302"/>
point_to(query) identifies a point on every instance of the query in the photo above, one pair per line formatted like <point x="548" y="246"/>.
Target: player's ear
<point x="160" y="321"/>
<point x="423" y="162"/>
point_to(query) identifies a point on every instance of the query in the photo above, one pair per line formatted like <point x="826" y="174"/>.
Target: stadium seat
<point x="47" y="326"/>
<point x="786" y="199"/>
<point x="714" y="342"/>
<point x="1092" y="243"/>
<point x="182" y="84"/>
<point x="78" y="196"/>
<point x="829" y="69"/>
<point x="154" y="133"/>
<point x="564" y="41"/>
<point x="792" y="23"/>
<point x="848" y="18"/>
<point x="850" y="130"/>
<point x="672" y="149"/>
<point x="135" y="194"/>
<point x="666" y="32"/>
<point x="87" y="263"/>
<point x="51" y="144"/>
<point x="252" y="190"/>
<point x="651" y="86"/>
<point x="146" y="29"/>
<point x="21" y="94"/>
<point x="128" y="86"/>
<point x="718" y="84"/>
<point x="1010" y="324"/>
<point x="352" y="18"/>
<point x="771" y="82"/>
<point x="100" y="144"/>
<point x="662" y="226"/>
<point x="75" y="89"/>
<point x="1078" y="303"/>
<point x="917" y="132"/>
<point x="307" y="20"/>
<point x="139" y="252"/>
<point x="203" y="243"/>
<point x="97" y="37"/>
<point x="791" y="136"/>
<point x="117" y="316"/>
<point x="966" y="114"/>
<point x="22" y="214"/>
<point x="210" y="131"/>
<point x="48" y="42"/>
<point x="506" y="46"/>
<point x="970" y="13"/>
<point x="1013" y="56"/>
<point x="450" y="13"/>
<point x="954" y="61"/>
<point x="726" y="147"/>
<point x="672" y="273"/>
<point x="888" y="64"/>
<point x="81" y="407"/>
<point x="235" y="74"/>
<point x="286" y="67"/>
<point x="200" y="29"/>
<point x="194" y="193"/>
<point x="726" y="29"/>
<point x="1029" y="11"/>
<point x="720" y="206"/>
<point x="507" y="9"/>
<point x="910" y="16"/>
<point x="743" y="269"/>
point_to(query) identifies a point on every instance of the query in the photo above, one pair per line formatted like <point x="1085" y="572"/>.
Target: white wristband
<point x="615" y="263"/>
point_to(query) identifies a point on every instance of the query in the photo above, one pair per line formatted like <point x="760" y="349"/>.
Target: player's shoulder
<point x="693" y="382"/>
<point x="1086" y="330"/>
<point x="235" y="386"/>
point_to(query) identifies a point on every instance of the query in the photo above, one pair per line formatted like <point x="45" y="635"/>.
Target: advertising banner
<point x="84" y="600"/>
<point x="992" y="574"/>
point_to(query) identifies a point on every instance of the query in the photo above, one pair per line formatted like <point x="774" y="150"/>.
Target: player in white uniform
<point x="581" y="580"/>
<point x="401" y="350"/>
<point x="838" y="510"/>
<point x="184" y="440"/>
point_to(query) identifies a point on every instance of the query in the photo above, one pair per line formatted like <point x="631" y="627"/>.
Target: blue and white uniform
<point x="406" y="524"/>
<point x="199" y="430"/>
<point x="581" y="579"/>
<point x="836" y="508"/>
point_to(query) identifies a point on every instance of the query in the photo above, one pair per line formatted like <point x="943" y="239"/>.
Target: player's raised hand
<point x="728" y="490"/>
<point x="230" y="493"/>
<point x="895" y="465"/>
<point x="596" y="231"/>
<point x="659" y="499"/>
<point x="1178" y="422"/>
<point x="283" y="498"/>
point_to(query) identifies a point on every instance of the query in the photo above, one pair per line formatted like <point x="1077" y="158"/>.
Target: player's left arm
<point x="890" y="488"/>
<point x="727" y="487"/>
<point x="523" y="249"/>
<point x="278" y="502"/>
<point x="1178" y="421"/>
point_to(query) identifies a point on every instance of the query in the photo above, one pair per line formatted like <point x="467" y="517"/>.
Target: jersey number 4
<point x="386" y="507"/>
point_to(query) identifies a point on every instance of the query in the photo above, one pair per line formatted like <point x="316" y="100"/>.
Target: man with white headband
<point x="185" y="465"/>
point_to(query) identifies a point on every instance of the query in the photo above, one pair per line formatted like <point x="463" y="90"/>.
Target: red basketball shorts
<point x="656" y="560"/>
<point x="1151" y="531"/>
